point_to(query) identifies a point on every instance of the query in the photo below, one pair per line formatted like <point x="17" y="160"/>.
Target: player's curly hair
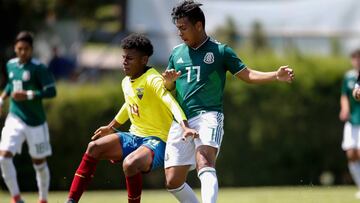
<point x="189" y="9"/>
<point x="138" y="42"/>
<point x="25" y="36"/>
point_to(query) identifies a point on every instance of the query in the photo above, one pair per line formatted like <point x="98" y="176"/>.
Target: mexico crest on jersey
<point x="209" y="58"/>
<point x="26" y="76"/>
<point x="140" y="92"/>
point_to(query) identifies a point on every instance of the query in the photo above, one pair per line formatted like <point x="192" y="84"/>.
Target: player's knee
<point x="93" y="150"/>
<point x="129" y="165"/>
<point x="173" y="182"/>
<point x="352" y="155"/>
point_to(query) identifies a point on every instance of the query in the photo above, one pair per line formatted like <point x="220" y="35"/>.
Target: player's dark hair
<point x="138" y="42"/>
<point x="25" y="36"/>
<point x="355" y="53"/>
<point x="189" y="9"/>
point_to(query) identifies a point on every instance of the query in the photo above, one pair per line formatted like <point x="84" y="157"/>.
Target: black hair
<point x="25" y="36"/>
<point x="138" y="42"/>
<point x="355" y="53"/>
<point x="189" y="9"/>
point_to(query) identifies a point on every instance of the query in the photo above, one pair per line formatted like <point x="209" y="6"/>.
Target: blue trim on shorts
<point x="130" y="142"/>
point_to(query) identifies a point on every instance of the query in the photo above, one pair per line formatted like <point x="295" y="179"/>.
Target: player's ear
<point x="198" y="26"/>
<point x="144" y="59"/>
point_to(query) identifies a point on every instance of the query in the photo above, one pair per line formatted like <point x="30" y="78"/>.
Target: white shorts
<point x="351" y="137"/>
<point x="181" y="152"/>
<point x="15" y="132"/>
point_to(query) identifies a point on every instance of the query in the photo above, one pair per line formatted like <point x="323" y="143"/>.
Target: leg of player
<point x="176" y="185"/>
<point x="354" y="167"/>
<point x="205" y="160"/>
<point x="107" y="147"/>
<point x="9" y="175"/>
<point x="134" y="164"/>
<point x="42" y="178"/>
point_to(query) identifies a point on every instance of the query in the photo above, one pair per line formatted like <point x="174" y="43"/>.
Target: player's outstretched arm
<point x="188" y="132"/>
<point x="106" y="130"/>
<point x="2" y="99"/>
<point x="170" y="77"/>
<point x="283" y="74"/>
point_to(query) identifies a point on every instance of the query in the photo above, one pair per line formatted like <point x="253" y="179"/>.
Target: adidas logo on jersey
<point x="180" y="60"/>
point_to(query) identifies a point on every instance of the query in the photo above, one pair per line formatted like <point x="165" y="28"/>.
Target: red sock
<point x="82" y="177"/>
<point x="15" y="198"/>
<point x="134" y="188"/>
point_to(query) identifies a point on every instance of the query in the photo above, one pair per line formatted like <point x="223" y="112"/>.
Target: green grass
<point x="227" y="195"/>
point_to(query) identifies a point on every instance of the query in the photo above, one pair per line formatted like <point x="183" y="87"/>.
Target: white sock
<point x="354" y="168"/>
<point x="184" y="194"/>
<point x="9" y="174"/>
<point x="42" y="179"/>
<point x="209" y="184"/>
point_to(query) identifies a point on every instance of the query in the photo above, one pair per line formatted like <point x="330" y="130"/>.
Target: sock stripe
<point x="81" y="176"/>
<point x="134" y="198"/>
<point x="177" y="189"/>
<point x="206" y="169"/>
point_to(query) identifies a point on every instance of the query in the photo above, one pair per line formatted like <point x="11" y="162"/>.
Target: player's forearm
<point x="114" y="125"/>
<point x="257" y="77"/>
<point x="344" y="103"/>
<point x="169" y="85"/>
<point x="174" y="107"/>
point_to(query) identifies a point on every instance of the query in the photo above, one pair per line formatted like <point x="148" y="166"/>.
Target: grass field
<point x="227" y="195"/>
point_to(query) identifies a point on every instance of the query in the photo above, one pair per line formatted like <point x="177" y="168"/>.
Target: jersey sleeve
<point x="344" y="87"/>
<point x="232" y="61"/>
<point x="157" y="85"/>
<point x="7" y="88"/>
<point x="122" y="116"/>
<point x="47" y="83"/>
<point x="170" y="63"/>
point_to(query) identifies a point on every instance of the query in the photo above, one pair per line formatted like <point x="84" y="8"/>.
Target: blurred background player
<point x="197" y="71"/>
<point x="350" y="114"/>
<point x="150" y="108"/>
<point x="28" y="83"/>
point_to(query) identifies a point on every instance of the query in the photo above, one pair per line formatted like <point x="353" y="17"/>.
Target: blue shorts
<point x="130" y="143"/>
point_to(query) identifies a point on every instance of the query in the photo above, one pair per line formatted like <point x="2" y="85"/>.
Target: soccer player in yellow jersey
<point x="150" y="108"/>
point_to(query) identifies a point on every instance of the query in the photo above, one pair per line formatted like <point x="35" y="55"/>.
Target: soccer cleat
<point x="43" y="201"/>
<point x="70" y="201"/>
<point x="18" y="201"/>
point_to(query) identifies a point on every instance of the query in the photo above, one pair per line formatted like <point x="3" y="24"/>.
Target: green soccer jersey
<point x="201" y="84"/>
<point x="346" y="89"/>
<point x="32" y="76"/>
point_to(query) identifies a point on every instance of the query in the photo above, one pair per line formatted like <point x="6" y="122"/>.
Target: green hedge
<point x="275" y="134"/>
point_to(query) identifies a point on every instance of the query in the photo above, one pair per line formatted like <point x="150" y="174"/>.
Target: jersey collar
<point x="201" y="44"/>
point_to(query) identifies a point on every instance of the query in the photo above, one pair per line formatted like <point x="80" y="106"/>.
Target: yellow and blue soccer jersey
<point x="201" y="84"/>
<point x="149" y="106"/>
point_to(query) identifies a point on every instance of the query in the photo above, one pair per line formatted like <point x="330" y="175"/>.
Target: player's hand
<point x="101" y="132"/>
<point x="19" y="95"/>
<point x="356" y="93"/>
<point x="189" y="133"/>
<point x="171" y="75"/>
<point x="285" y="74"/>
<point x="344" y="115"/>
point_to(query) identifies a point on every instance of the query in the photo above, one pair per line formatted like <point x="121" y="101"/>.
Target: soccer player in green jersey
<point x="28" y="83"/>
<point x="350" y="114"/>
<point x="197" y="71"/>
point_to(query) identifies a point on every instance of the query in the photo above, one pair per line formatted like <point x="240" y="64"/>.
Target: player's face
<point x="355" y="61"/>
<point x="189" y="32"/>
<point x="134" y="63"/>
<point x="23" y="51"/>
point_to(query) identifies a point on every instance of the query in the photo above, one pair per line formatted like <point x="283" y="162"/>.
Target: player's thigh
<point x="12" y="136"/>
<point x="38" y="141"/>
<point x="211" y="130"/>
<point x="107" y="147"/>
<point x="179" y="152"/>
<point x="176" y="176"/>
